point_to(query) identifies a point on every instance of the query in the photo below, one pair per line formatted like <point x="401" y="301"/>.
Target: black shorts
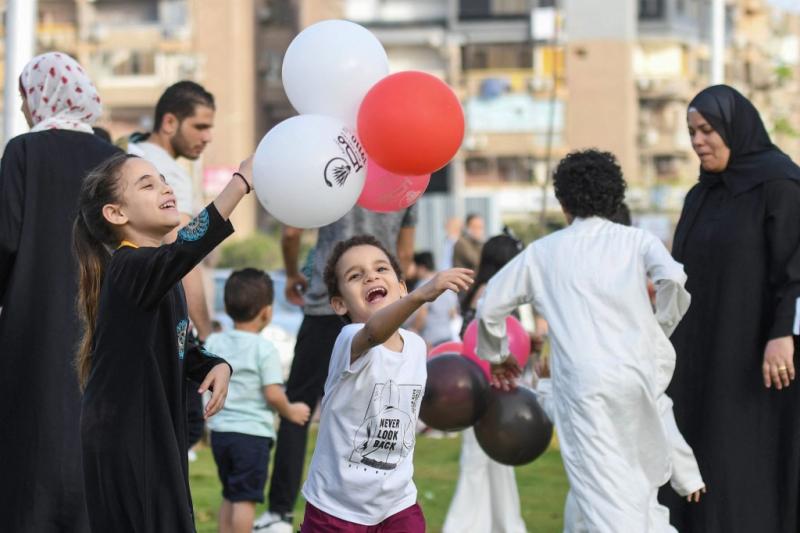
<point x="242" y="464"/>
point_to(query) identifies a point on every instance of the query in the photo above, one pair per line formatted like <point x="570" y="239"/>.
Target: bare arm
<point x="385" y="322"/>
<point x="296" y="412"/>
<point x="296" y="282"/>
<point x="235" y="190"/>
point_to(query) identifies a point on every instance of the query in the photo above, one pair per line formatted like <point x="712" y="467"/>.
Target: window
<point x="477" y="165"/>
<point x="651" y="9"/>
<point x="115" y="13"/>
<point x="126" y="62"/>
<point x="483" y="9"/>
<point x="469" y="9"/>
<point x="488" y="56"/>
<point x="515" y="168"/>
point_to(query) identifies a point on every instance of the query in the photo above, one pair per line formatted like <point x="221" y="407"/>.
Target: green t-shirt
<point x="256" y="364"/>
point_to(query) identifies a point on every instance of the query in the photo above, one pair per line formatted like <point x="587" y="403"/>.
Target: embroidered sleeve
<point x="148" y="274"/>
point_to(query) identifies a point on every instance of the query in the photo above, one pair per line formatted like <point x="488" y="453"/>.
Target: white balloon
<point x="309" y="170"/>
<point x="329" y="67"/>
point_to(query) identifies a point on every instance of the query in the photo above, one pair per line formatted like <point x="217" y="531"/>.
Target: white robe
<point x="611" y="362"/>
<point x="486" y="499"/>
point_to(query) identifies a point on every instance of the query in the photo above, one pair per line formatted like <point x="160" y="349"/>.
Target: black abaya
<point x="42" y="482"/>
<point x="739" y="240"/>
<point x="133" y="417"/>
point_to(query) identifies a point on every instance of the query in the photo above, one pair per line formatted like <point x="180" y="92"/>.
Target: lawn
<point x="542" y="486"/>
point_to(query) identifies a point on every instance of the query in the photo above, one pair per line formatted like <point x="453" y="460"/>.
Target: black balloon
<point x="515" y="429"/>
<point x="456" y="394"/>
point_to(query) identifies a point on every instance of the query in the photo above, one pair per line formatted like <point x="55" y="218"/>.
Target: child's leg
<point x="242" y="517"/>
<point x="410" y="520"/>
<point x="225" y="517"/>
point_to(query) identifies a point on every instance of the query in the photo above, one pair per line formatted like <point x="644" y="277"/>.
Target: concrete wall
<point x="602" y="106"/>
<point x="223" y="27"/>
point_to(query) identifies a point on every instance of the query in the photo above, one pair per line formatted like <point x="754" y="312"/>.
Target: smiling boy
<point x="361" y="471"/>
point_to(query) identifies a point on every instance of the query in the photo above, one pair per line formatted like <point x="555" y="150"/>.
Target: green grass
<point x="542" y="486"/>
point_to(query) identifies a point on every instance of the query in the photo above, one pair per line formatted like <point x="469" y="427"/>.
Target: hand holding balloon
<point x="505" y="374"/>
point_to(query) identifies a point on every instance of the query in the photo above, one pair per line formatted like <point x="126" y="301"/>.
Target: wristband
<point x="246" y="184"/>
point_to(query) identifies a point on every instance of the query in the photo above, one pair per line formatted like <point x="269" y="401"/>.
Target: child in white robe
<point x="611" y="358"/>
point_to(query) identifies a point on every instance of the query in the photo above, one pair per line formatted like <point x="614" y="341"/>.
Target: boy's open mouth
<point x="375" y="294"/>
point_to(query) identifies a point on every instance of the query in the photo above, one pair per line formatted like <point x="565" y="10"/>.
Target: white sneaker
<point x="270" y="522"/>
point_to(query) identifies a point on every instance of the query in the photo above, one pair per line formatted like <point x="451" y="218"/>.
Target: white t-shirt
<point x="176" y="175"/>
<point x="362" y="466"/>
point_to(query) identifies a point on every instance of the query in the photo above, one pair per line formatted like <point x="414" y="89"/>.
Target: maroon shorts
<point x="409" y="520"/>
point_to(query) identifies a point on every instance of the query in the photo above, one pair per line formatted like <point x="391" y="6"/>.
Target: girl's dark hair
<point x="247" y="292"/>
<point x="331" y="283"/>
<point x="92" y="236"/>
<point x="589" y="183"/>
<point x="496" y="252"/>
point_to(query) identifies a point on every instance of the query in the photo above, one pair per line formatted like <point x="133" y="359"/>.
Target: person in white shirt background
<point x="611" y="358"/>
<point x="433" y="321"/>
<point x="486" y="496"/>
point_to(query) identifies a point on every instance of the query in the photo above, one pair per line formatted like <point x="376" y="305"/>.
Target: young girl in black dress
<point x="133" y="361"/>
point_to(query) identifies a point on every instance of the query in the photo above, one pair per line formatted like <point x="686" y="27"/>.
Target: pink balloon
<point x="446" y="347"/>
<point x="519" y="342"/>
<point x="385" y="191"/>
<point x="458" y="347"/>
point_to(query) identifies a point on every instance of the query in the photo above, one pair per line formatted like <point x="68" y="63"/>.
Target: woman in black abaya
<point x="40" y="177"/>
<point x="735" y="402"/>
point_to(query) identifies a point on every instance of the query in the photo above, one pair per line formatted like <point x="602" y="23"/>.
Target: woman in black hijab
<point x="735" y="402"/>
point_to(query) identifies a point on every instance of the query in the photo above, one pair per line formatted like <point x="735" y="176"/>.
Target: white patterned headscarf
<point x="59" y="94"/>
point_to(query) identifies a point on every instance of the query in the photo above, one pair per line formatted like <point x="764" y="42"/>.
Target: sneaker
<point x="270" y="522"/>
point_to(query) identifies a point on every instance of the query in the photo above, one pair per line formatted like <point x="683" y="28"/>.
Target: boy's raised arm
<point x="385" y="322"/>
<point x="510" y="288"/>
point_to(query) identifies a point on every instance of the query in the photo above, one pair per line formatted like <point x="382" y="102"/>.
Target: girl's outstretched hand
<point x="505" y="374"/>
<point x="216" y="381"/>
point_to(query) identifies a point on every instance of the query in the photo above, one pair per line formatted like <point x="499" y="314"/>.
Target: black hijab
<point x="754" y="159"/>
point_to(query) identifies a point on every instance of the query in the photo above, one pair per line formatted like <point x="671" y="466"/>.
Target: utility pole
<point x="717" y="42"/>
<point x="553" y="100"/>
<point x="20" y="42"/>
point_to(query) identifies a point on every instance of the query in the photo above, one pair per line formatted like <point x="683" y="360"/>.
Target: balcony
<point x="137" y="77"/>
<point x="396" y="12"/>
<point x="116" y="22"/>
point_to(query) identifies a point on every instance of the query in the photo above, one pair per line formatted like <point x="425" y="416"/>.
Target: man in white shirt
<point x="184" y="118"/>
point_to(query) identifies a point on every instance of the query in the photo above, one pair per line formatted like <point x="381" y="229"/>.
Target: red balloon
<point x="445" y="347"/>
<point x="519" y="342"/>
<point x="411" y="123"/>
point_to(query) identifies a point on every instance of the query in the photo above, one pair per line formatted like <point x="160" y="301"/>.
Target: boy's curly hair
<point x="331" y="283"/>
<point x="589" y="183"/>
